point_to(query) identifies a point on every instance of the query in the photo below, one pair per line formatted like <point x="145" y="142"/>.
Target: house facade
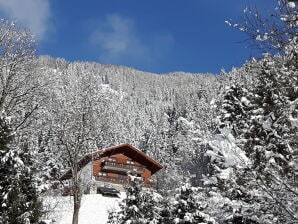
<point x="111" y="166"/>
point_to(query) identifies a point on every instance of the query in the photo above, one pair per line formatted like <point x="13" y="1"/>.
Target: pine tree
<point x="233" y="108"/>
<point x="19" y="201"/>
<point x="5" y="139"/>
<point x="139" y="206"/>
<point x="187" y="207"/>
<point x="263" y="191"/>
<point x="271" y="140"/>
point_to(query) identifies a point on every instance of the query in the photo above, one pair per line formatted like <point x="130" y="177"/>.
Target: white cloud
<point x="116" y="37"/>
<point x="119" y="42"/>
<point x="34" y="14"/>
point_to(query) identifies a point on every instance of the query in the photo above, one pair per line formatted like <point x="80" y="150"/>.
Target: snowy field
<point x="94" y="209"/>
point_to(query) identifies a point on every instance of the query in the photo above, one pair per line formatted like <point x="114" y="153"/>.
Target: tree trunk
<point x="76" y="193"/>
<point x="76" y="209"/>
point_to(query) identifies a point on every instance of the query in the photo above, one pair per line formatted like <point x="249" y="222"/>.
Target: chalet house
<point x="110" y="167"/>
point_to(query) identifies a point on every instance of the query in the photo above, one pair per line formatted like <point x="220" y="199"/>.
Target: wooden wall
<point x="97" y="165"/>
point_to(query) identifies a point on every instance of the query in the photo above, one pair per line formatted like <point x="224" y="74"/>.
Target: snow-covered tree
<point x="139" y="206"/>
<point x="233" y="108"/>
<point x="262" y="190"/>
<point x="187" y="206"/>
<point x="19" y="202"/>
<point x="19" y="82"/>
<point x="272" y="30"/>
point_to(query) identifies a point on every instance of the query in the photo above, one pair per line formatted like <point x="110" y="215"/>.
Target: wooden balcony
<point x="122" y="181"/>
<point x="114" y="180"/>
<point x="121" y="167"/>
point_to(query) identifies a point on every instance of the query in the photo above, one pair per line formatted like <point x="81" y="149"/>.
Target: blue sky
<point x="158" y="36"/>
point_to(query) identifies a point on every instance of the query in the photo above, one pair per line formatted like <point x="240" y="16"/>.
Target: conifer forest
<point x="228" y="142"/>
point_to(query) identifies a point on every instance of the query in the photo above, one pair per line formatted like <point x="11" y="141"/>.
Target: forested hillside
<point x="164" y="115"/>
<point x="228" y="141"/>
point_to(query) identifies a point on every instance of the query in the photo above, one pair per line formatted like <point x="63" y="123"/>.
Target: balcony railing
<point x="114" y="180"/>
<point x="121" y="167"/>
<point x="123" y="181"/>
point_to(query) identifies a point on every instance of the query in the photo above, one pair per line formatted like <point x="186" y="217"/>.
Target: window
<point x="102" y="174"/>
<point x="130" y="162"/>
<point x="112" y="159"/>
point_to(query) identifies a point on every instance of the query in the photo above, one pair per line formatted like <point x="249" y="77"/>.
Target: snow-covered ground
<point x="94" y="208"/>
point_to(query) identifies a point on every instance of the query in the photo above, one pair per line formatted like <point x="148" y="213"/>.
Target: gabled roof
<point x="125" y="149"/>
